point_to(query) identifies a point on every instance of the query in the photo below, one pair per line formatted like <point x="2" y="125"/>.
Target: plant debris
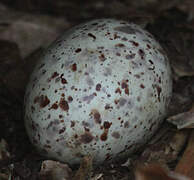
<point x="26" y="28"/>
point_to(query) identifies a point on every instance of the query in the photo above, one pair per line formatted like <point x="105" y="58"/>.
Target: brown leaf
<point x="165" y="148"/>
<point x="53" y="170"/>
<point x="29" y="31"/>
<point x="183" y="120"/>
<point x="4" y="153"/>
<point x="155" y="172"/>
<point x="84" y="169"/>
<point x="186" y="164"/>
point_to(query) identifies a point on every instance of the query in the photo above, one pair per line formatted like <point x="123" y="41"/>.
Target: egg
<point x="101" y="89"/>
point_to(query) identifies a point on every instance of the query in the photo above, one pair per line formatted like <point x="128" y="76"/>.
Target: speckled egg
<point x="102" y="89"/>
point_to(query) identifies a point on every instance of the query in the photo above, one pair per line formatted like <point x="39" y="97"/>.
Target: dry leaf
<point x="155" y="172"/>
<point x="53" y="170"/>
<point x="85" y="169"/>
<point x="4" y="176"/>
<point x="97" y="177"/>
<point x="30" y="32"/>
<point x="4" y="153"/>
<point x="183" y="120"/>
<point x="166" y="149"/>
<point x="186" y="164"/>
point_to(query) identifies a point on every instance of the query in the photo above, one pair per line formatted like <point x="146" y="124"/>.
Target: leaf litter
<point x="23" y="35"/>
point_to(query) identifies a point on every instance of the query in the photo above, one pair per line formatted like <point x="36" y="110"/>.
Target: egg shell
<point x="102" y="89"/>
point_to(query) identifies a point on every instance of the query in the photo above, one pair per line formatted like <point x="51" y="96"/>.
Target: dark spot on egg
<point x="134" y="43"/>
<point x="74" y="67"/>
<point x="70" y="99"/>
<point x="94" y="24"/>
<point x="120" y="45"/>
<point x="159" y="90"/>
<point x="141" y="53"/>
<point x="124" y="86"/>
<point x="116" y="101"/>
<point x="116" y="36"/>
<point x="127" y="91"/>
<point x="130" y="56"/>
<point x="137" y="76"/>
<point x="107" y="124"/>
<point x="122" y="101"/>
<point x="62" y="130"/>
<point x="41" y="66"/>
<point x="102" y="57"/>
<point x="116" y="135"/>
<point x="142" y="86"/>
<point x="86" y="138"/>
<point x="72" y="124"/>
<point x="107" y="106"/>
<point x="54" y="75"/>
<point x="89" y="98"/>
<point x="126" y="124"/>
<point x="42" y="100"/>
<point x="108" y="157"/>
<point x="138" y="98"/>
<point x="124" y="39"/>
<point x="93" y="36"/>
<point x="148" y="46"/>
<point x="97" y="116"/>
<point x="103" y="136"/>
<point x="118" y="54"/>
<point x="63" y="81"/>
<point x="32" y="109"/>
<point x="98" y="87"/>
<point x="85" y="124"/>
<point x="118" y="90"/>
<point x="54" y="106"/>
<point x="63" y="104"/>
<point x="78" y="50"/>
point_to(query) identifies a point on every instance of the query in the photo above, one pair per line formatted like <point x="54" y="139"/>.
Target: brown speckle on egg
<point x="104" y="136"/>
<point x="74" y="67"/>
<point x="97" y="116"/>
<point x="54" y="75"/>
<point x="141" y="53"/>
<point x="120" y="45"/>
<point x="72" y="124"/>
<point x="62" y="130"/>
<point x="64" y="104"/>
<point x="130" y="56"/>
<point x="102" y="57"/>
<point x="107" y="124"/>
<point x="42" y="100"/>
<point x="98" y="87"/>
<point x="134" y="43"/>
<point x="54" y="106"/>
<point x="70" y="99"/>
<point x="86" y="138"/>
<point x="118" y="90"/>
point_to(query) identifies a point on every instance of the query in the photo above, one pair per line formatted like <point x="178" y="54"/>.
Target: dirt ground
<point x="27" y="27"/>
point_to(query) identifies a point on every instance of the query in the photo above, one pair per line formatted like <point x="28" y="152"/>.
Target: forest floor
<point x="26" y="28"/>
